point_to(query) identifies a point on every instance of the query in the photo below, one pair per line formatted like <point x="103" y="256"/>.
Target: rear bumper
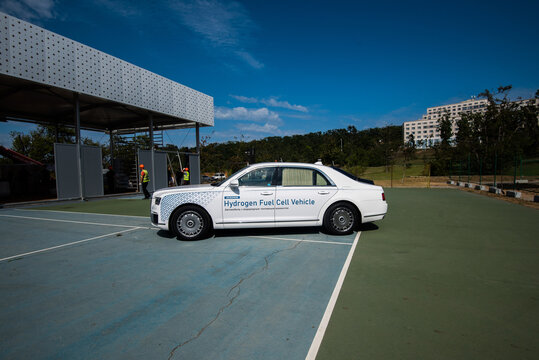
<point x="373" y="217"/>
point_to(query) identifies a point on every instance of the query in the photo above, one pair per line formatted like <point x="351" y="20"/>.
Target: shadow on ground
<point x="268" y="231"/>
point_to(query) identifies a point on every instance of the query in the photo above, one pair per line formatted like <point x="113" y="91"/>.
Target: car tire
<point x="341" y="219"/>
<point x="190" y="223"/>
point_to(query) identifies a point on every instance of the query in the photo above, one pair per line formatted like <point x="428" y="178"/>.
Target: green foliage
<point x="506" y="129"/>
<point x="444" y="125"/>
<point x="39" y="143"/>
<point x="344" y="147"/>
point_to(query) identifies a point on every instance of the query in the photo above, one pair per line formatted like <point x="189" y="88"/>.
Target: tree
<point x="39" y="143"/>
<point x="508" y="127"/>
<point x="408" y="152"/>
<point x="445" y="128"/>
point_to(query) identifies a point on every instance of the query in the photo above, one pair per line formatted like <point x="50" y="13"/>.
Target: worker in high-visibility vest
<point x="186" y="176"/>
<point x="144" y="180"/>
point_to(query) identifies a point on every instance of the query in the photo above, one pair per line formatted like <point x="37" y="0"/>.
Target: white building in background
<point x="425" y="130"/>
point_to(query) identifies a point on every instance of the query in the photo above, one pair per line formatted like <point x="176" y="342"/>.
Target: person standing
<point x="186" y="176"/>
<point x="144" y="180"/>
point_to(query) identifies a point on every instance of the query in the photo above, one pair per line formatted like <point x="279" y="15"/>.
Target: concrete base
<point x="514" y="194"/>
<point x="494" y="190"/>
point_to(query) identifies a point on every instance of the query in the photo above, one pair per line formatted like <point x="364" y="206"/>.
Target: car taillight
<point x="383" y="196"/>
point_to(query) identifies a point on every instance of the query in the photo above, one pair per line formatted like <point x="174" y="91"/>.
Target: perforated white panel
<point x="4" y="44"/>
<point x="30" y="52"/>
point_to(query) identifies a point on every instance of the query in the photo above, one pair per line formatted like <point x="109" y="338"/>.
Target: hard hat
<point x="141" y="165"/>
<point x="187" y="169"/>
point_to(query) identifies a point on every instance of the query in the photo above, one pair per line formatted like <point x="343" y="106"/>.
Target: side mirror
<point x="234" y="183"/>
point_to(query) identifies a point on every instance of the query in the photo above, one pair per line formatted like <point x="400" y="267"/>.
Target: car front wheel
<point x="341" y="219"/>
<point x="190" y="223"/>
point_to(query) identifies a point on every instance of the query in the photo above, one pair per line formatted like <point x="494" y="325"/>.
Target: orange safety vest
<point x="144" y="175"/>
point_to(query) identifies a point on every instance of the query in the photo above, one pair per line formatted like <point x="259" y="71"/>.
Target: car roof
<point x="333" y="174"/>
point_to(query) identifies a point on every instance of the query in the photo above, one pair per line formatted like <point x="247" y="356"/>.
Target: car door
<point x="301" y="194"/>
<point x="252" y="202"/>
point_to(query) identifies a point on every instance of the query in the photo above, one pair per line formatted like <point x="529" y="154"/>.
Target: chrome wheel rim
<point x="190" y="224"/>
<point x="342" y="219"/>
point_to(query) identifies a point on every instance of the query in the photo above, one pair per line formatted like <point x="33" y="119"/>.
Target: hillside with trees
<point x="344" y="147"/>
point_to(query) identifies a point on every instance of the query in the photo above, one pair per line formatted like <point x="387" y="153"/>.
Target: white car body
<point x="239" y="202"/>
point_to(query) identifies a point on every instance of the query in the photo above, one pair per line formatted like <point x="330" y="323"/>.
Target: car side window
<point x="320" y="180"/>
<point x="258" y="177"/>
<point x="303" y="177"/>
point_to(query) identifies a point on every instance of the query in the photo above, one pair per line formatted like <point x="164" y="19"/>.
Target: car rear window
<point x="353" y="177"/>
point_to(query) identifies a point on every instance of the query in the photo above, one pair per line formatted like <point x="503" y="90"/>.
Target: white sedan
<point x="270" y="195"/>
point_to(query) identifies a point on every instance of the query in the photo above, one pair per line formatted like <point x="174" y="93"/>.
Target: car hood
<point x="184" y="188"/>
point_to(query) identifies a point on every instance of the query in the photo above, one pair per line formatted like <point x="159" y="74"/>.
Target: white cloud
<point x="245" y="99"/>
<point x="284" y="104"/>
<point x="241" y="113"/>
<point x="267" y="128"/>
<point x="249" y="59"/>
<point x="272" y="101"/>
<point x="225" y="26"/>
<point x="29" y="9"/>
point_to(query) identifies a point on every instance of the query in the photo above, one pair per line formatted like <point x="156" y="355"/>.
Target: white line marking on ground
<point x="69" y="244"/>
<point x="83" y="213"/>
<point x="317" y="341"/>
<point x="68" y="221"/>
<point x="311" y="241"/>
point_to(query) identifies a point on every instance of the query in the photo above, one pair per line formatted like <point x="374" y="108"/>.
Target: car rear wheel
<point x="190" y="223"/>
<point x="341" y="219"/>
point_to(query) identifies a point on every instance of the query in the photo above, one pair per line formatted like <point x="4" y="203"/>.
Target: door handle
<point x="267" y="193"/>
<point x="323" y="192"/>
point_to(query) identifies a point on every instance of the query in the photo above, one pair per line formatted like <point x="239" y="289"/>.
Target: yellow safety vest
<point x="145" y="176"/>
<point x="186" y="176"/>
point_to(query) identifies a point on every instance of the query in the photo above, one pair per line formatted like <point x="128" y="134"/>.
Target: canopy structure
<point x="46" y="78"/>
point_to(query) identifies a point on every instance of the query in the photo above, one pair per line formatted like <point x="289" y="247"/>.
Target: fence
<point x="398" y="175"/>
<point x="503" y="172"/>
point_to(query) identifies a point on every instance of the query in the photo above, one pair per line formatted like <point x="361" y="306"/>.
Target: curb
<point x="492" y="190"/>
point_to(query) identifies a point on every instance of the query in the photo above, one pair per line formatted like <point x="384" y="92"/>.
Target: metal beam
<point x="13" y="90"/>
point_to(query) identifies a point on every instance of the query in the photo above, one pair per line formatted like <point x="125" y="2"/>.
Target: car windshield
<point x="222" y="181"/>
<point x="353" y="177"/>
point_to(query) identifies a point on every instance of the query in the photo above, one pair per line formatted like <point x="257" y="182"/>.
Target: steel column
<point x="152" y="179"/>
<point x="78" y="142"/>
<point x="111" y="146"/>
<point x="198" y="137"/>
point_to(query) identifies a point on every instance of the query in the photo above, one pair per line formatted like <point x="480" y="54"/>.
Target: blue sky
<point x="293" y="67"/>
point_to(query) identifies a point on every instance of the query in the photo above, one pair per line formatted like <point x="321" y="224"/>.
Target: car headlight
<point x="157" y="200"/>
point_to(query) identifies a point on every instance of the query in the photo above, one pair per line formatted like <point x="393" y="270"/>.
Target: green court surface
<point x="448" y="275"/>
<point x="131" y="207"/>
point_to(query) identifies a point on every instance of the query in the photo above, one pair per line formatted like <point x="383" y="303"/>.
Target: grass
<point x="382" y="173"/>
